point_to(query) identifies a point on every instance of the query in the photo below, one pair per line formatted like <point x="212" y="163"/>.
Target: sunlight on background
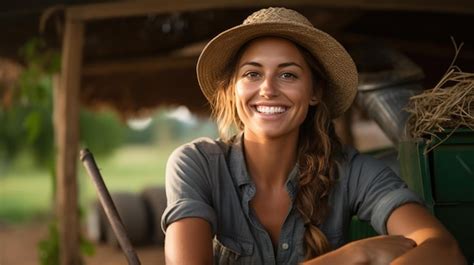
<point x="131" y="156"/>
<point x="183" y="115"/>
<point x="139" y="124"/>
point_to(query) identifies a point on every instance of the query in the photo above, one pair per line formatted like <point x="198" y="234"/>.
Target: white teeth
<point x="270" y="109"/>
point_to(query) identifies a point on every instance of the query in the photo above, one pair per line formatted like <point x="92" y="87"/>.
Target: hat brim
<point x="337" y="65"/>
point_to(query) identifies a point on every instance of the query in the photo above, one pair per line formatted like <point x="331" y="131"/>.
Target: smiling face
<point x="273" y="88"/>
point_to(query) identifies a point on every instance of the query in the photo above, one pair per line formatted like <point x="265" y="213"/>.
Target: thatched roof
<point x="135" y="63"/>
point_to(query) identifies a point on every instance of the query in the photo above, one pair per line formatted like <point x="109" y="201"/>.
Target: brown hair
<point x="318" y="146"/>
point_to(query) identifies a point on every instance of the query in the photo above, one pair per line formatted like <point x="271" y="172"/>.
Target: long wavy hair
<point x="318" y="147"/>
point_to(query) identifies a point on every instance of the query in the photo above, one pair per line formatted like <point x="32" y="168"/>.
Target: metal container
<point x="387" y="79"/>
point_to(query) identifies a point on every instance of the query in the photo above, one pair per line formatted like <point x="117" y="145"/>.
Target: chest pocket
<point x="228" y="251"/>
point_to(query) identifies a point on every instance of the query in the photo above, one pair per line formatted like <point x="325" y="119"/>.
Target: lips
<point x="270" y="110"/>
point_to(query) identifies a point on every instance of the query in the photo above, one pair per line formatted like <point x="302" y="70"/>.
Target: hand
<point x="381" y="250"/>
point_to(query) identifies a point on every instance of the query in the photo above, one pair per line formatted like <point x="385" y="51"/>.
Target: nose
<point x="268" y="88"/>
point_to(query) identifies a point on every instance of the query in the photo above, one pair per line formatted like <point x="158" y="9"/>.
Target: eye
<point x="288" y="76"/>
<point x="251" y="75"/>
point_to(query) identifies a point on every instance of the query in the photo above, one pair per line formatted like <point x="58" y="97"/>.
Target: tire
<point x="133" y="213"/>
<point x="155" y="201"/>
<point x="95" y="223"/>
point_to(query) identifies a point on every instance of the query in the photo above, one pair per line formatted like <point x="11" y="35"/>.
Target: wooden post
<point x="66" y="126"/>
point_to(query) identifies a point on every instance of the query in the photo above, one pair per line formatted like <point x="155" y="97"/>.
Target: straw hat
<point x="337" y="65"/>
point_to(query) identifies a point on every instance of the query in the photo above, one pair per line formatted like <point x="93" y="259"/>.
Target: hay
<point x="448" y="106"/>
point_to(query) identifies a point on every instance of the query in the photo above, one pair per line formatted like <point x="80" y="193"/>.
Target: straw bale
<point x="448" y="106"/>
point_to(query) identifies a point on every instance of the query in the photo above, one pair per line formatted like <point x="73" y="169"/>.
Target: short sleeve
<point x="375" y="191"/>
<point x="188" y="187"/>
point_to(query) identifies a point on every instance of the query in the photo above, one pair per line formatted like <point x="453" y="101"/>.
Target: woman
<point x="283" y="189"/>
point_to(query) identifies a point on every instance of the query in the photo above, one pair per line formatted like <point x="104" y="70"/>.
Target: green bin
<point x="444" y="178"/>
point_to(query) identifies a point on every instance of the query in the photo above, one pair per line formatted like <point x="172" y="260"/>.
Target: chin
<point x="272" y="133"/>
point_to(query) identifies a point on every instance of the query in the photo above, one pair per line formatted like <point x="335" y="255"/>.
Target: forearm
<point x="433" y="251"/>
<point x="435" y="245"/>
<point x="347" y="255"/>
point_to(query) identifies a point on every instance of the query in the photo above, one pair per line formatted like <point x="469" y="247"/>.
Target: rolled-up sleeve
<point x="188" y="187"/>
<point x="375" y="191"/>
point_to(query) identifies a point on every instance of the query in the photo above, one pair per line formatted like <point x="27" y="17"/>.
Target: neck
<point x="270" y="160"/>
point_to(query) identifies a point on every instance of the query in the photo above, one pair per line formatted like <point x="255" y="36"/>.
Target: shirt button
<point x="285" y="246"/>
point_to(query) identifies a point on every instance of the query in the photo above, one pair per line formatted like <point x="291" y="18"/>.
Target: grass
<point x="26" y="192"/>
<point x="24" y="197"/>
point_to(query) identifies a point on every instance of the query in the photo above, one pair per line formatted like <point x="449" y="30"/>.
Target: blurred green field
<point x="26" y="192"/>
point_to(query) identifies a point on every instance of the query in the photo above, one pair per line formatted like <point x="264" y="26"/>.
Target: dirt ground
<point x="18" y="246"/>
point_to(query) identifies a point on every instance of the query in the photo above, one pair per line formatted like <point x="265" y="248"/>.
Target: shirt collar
<point x="292" y="181"/>
<point x="238" y="166"/>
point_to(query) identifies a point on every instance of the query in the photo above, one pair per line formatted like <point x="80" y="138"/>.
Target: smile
<point x="271" y="109"/>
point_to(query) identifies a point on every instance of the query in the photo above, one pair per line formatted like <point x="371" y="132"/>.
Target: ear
<point x="316" y="95"/>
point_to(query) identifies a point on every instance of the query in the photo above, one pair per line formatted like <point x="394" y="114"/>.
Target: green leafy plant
<point x="48" y="249"/>
<point x="27" y="124"/>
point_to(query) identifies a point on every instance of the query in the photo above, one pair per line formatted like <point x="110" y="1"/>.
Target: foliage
<point x="48" y="249"/>
<point x="28" y="124"/>
<point x="101" y="132"/>
<point x="11" y="126"/>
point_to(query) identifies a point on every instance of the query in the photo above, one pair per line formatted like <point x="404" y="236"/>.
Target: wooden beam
<point x="66" y="126"/>
<point x="435" y="49"/>
<point x="139" y="65"/>
<point x="334" y="22"/>
<point x="145" y="7"/>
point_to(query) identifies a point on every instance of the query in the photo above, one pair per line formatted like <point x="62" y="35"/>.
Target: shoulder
<point x="198" y="149"/>
<point x="362" y="170"/>
<point x="353" y="161"/>
<point x="194" y="162"/>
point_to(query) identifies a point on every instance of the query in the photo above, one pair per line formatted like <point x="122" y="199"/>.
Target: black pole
<point x="109" y="207"/>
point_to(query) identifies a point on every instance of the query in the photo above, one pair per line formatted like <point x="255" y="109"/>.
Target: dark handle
<point x="109" y="207"/>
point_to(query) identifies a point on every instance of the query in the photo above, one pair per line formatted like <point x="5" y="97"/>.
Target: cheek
<point x="240" y="99"/>
<point x="243" y="89"/>
<point x="302" y="98"/>
<point x="242" y="94"/>
<point x="239" y="91"/>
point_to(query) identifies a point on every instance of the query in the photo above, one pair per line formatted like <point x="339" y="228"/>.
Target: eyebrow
<point x="279" y="66"/>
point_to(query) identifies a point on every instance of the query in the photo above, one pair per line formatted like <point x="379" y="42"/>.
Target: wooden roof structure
<point x="135" y="55"/>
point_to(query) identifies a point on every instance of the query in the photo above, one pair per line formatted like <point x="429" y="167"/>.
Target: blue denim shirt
<point x="209" y="179"/>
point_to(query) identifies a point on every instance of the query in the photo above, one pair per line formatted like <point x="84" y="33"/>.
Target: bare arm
<point x="188" y="242"/>
<point x="416" y="237"/>
<point x="379" y="250"/>
<point x="435" y="243"/>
